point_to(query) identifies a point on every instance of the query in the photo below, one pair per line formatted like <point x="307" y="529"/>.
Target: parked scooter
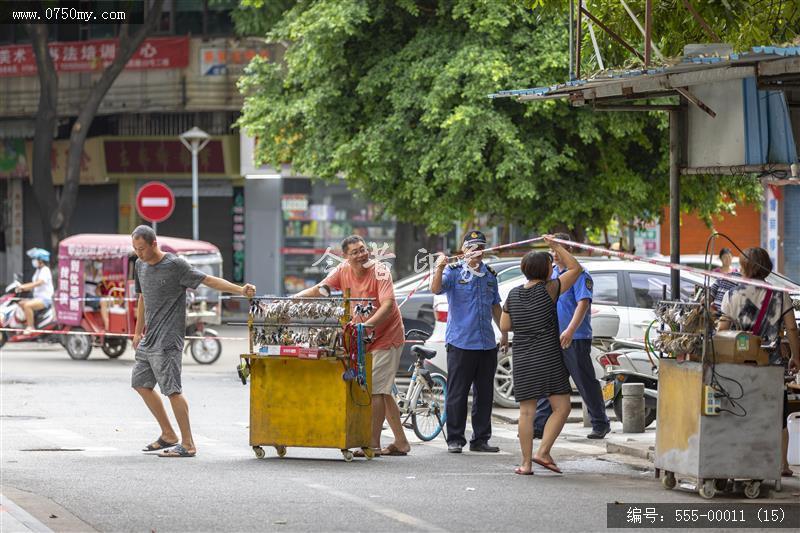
<point x="616" y="376"/>
<point x="12" y="316"/>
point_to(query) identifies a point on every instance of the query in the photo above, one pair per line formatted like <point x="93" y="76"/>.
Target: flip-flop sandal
<point x="177" y="451"/>
<point x="392" y="450"/>
<point x="519" y="470"/>
<point x="550" y="466"/>
<point x="360" y="453"/>
<point x="159" y="445"/>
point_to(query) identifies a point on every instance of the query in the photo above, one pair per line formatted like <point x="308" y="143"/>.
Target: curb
<point x="41" y="513"/>
<point x="515" y="420"/>
<point x="642" y="451"/>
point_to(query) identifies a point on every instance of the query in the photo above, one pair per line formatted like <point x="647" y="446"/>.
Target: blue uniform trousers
<point x="578" y="361"/>
<point x="466" y="368"/>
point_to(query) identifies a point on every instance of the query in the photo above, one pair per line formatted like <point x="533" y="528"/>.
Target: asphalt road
<point x="72" y="430"/>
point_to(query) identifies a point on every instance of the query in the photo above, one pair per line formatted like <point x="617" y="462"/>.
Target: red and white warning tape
<point x="128" y="335"/>
<point x="594" y="249"/>
<point x="717" y="275"/>
<point x="94" y="334"/>
<point x="624" y="255"/>
<point x="462" y="256"/>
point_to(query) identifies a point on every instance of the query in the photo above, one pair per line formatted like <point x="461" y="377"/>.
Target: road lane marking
<point x="374" y="507"/>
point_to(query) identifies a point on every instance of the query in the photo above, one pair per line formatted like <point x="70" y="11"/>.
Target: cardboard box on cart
<point x="739" y="347"/>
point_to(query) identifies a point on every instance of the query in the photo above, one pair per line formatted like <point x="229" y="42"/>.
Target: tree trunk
<point x="46" y="117"/>
<point x="579" y="234"/>
<point x="127" y="46"/>
<point x="56" y="211"/>
<point x="409" y="239"/>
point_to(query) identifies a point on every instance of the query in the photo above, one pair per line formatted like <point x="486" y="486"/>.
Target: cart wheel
<point x="259" y="451"/>
<point x="281" y="451"/>
<point x="752" y="489"/>
<point x="668" y="480"/>
<point x="707" y="488"/>
<point x="369" y="453"/>
<point x="243" y="372"/>
<point x="348" y="455"/>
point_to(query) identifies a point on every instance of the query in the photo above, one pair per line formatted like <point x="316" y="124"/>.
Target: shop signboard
<point x="96" y="55"/>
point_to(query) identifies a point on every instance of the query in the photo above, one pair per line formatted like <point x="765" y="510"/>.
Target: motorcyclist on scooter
<point x="41" y="284"/>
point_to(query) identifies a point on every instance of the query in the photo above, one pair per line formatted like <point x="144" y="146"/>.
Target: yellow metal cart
<point x="310" y="393"/>
<point x="306" y="403"/>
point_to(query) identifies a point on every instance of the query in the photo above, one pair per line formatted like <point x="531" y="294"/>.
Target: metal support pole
<point x="612" y="34"/>
<point x="571" y="54"/>
<point x="701" y="21"/>
<point x="648" y="30"/>
<point x="195" y="140"/>
<point x="578" y="40"/>
<point x="674" y="201"/>
<point x="195" y="195"/>
<point x="596" y="47"/>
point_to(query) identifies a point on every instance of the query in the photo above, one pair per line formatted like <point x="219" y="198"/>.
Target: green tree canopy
<point x="740" y="23"/>
<point x="393" y="95"/>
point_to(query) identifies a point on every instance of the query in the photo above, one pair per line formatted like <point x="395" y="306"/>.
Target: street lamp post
<point x="195" y="140"/>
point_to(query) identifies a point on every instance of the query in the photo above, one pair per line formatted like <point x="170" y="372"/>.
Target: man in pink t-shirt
<point x="369" y="279"/>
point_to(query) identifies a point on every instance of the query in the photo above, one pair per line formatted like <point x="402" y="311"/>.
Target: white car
<point x="625" y="294"/>
<point x="699" y="260"/>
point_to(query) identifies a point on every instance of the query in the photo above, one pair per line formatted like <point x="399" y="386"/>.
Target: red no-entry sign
<point x="155" y="202"/>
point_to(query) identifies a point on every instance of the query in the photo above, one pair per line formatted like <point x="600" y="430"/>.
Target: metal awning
<point x="773" y="67"/>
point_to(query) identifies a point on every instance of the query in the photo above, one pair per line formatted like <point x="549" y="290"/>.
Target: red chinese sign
<point x="69" y="297"/>
<point x="161" y="157"/>
<point x="90" y="56"/>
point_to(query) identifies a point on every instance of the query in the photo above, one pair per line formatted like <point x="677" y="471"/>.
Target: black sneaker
<point x="595" y="434"/>
<point x="483" y="447"/>
<point x="454" y="448"/>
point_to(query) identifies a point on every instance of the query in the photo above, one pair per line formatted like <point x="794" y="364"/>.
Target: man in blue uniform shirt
<point x="574" y="323"/>
<point x="474" y="301"/>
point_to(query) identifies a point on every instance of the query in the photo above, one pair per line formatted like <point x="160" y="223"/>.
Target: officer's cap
<point x="474" y="238"/>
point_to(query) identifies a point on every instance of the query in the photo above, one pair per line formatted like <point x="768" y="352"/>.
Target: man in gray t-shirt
<point x="164" y="288"/>
<point x="161" y="283"/>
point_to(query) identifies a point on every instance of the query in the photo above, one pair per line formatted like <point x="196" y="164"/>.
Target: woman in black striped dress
<point x="539" y="371"/>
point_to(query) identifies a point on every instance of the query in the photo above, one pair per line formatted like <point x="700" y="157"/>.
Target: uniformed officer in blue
<point x="574" y="323"/>
<point x="474" y="301"/>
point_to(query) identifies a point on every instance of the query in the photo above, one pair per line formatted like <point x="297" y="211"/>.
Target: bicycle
<point x="424" y="400"/>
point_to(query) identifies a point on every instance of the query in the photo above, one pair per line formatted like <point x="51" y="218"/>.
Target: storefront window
<point x="189" y="17"/>
<point x="316" y="217"/>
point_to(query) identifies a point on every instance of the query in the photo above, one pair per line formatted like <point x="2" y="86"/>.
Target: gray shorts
<point x="164" y="369"/>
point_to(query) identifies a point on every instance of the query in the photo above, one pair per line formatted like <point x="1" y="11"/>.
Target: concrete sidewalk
<point x="635" y="449"/>
<point x="14" y="519"/>
<point x="23" y="512"/>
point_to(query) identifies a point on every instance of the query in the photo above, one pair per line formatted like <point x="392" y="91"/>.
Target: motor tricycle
<point x="109" y="260"/>
<point x="12" y="316"/>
